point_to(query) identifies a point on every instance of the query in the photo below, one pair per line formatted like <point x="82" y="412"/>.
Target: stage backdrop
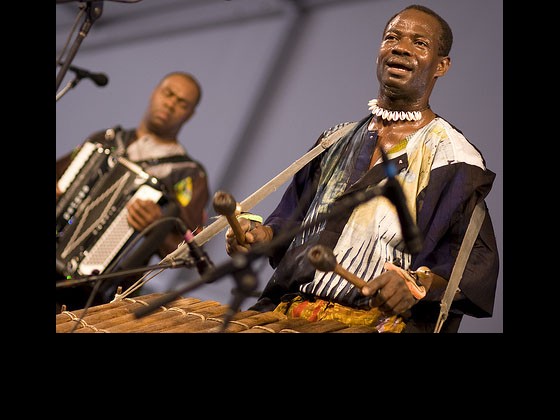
<point x="274" y="76"/>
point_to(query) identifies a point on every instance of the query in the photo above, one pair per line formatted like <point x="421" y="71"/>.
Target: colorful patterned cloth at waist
<point x="320" y="310"/>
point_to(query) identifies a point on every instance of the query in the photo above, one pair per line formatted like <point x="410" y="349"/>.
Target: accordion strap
<point x="162" y="160"/>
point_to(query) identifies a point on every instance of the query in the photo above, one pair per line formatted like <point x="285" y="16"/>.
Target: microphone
<point x="100" y="79"/>
<point x="393" y="191"/>
<point x="201" y="259"/>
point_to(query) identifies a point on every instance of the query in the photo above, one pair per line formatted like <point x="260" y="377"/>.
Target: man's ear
<point x="443" y="66"/>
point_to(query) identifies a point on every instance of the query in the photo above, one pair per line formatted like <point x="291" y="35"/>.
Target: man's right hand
<point x="255" y="232"/>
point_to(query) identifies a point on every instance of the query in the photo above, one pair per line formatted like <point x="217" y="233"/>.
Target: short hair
<point x="446" y="35"/>
<point x="187" y="76"/>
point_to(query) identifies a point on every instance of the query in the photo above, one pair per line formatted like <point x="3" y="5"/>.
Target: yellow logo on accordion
<point x="183" y="191"/>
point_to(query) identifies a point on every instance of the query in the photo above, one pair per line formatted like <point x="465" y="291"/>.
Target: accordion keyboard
<point x="77" y="163"/>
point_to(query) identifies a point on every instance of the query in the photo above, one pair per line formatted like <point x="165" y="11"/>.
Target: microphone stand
<point x="246" y="283"/>
<point x="96" y="277"/>
<point x="69" y="86"/>
<point x="240" y="264"/>
<point x="94" y="9"/>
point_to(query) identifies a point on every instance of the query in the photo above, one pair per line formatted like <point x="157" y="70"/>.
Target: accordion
<point x="92" y="226"/>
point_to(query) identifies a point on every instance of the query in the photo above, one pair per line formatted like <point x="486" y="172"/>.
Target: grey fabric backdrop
<point x="274" y="76"/>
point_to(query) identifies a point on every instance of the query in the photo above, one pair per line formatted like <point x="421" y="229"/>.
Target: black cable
<point x="88" y="304"/>
<point x="141" y="235"/>
<point x="127" y="249"/>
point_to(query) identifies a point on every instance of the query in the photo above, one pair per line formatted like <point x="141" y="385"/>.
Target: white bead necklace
<point x="393" y="115"/>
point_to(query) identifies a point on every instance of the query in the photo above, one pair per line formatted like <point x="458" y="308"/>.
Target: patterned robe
<point x="442" y="176"/>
